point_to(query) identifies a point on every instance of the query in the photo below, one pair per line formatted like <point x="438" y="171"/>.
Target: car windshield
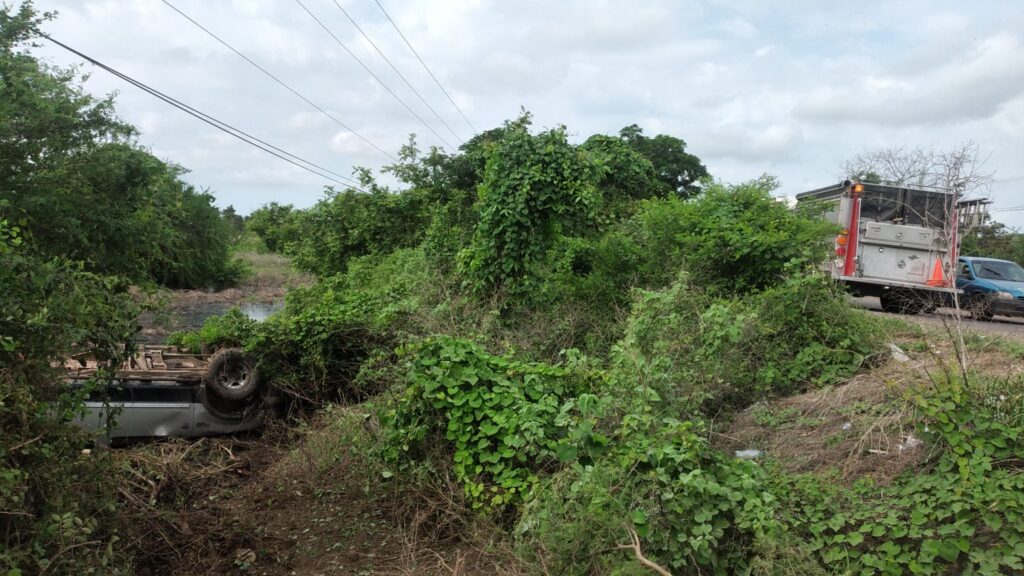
<point x="995" y="270"/>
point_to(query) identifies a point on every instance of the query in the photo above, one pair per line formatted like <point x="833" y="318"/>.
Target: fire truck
<point x="894" y="242"/>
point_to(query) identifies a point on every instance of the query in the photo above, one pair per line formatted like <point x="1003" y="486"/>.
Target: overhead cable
<point x="372" y="74"/>
<point x="220" y="125"/>
<point x="425" y="67"/>
<point x="279" y="81"/>
<point x="400" y="75"/>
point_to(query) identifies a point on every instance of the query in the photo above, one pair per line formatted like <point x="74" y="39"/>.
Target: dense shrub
<point x="578" y="458"/>
<point x="701" y="350"/>
<point x="692" y="509"/>
<point x="348" y="224"/>
<point x="57" y="505"/>
<point x="731" y="239"/>
<point x="314" y="348"/>
<point x="232" y="329"/>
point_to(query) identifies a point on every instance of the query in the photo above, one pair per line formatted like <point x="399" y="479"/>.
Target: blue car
<point x="991" y="287"/>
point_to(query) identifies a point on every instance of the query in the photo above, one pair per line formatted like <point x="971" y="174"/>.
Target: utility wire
<point x="279" y="81"/>
<point x="371" y="73"/>
<point x="425" y="67"/>
<point x="223" y="126"/>
<point x="400" y="75"/>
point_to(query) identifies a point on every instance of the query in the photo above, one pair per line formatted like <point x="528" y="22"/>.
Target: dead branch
<point x="634" y="545"/>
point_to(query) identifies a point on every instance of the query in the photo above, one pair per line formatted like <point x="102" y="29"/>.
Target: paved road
<point x="1001" y="325"/>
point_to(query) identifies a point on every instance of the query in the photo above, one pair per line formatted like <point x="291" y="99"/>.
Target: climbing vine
<point x="534" y="187"/>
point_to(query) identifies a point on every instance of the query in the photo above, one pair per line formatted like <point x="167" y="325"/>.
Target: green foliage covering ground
<point x="575" y="434"/>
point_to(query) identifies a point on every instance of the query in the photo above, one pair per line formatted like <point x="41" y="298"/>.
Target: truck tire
<point x="890" y="303"/>
<point x="232" y="376"/>
<point x="228" y="410"/>
<point x="901" y="302"/>
<point x="981" y="308"/>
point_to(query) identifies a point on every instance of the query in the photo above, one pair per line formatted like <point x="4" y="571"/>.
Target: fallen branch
<point x="634" y="545"/>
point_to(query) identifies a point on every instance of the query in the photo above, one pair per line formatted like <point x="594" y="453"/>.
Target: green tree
<point x="274" y="224"/>
<point x="677" y="170"/>
<point x="234" y="220"/>
<point x="71" y="173"/>
<point x="626" y="175"/>
<point x="993" y="240"/>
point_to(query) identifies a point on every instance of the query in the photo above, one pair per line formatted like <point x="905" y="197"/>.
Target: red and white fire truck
<point x="896" y="243"/>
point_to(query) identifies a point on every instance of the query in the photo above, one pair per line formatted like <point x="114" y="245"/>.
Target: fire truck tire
<point x="232" y="376"/>
<point x="906" y="302"/>
<point x="930" y="305"/>
<point x="981" y="308"/>
<point x="891" y="303"/>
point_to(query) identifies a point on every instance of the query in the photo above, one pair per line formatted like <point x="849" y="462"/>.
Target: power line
<point x="279" y="81"/>
<point x="371" y="73"/>
<point x="220" y="125"/>
<point x="425" y="67"/>
<point x="400" y="75"/>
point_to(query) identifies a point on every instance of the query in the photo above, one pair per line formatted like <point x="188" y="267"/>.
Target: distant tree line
<point x="442" y="191"/>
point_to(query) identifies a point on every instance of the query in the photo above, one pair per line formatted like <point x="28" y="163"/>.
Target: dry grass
<point x="865" y="427"/>
<point x="304" y="500"/>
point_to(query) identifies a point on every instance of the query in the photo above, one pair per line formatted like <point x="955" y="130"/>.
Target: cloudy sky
<point x="792" y="88"/>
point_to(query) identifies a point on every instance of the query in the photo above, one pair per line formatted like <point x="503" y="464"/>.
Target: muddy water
<point x="191" y="315"/>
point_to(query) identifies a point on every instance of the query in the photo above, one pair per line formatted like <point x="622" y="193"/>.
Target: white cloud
<point x="971" y="86"/>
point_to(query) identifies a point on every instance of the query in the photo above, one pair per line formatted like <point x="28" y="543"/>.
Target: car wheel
<point x="232" y="376"/>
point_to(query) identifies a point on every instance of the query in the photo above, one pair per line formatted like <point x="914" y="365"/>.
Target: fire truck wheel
<point x="981" y="308"/>
<point x="231" y="375"/>
<point x="891" y="303"/>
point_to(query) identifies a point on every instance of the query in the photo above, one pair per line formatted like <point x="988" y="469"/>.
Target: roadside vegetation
<point x="562" y="352"/>
<point x="537" y="356"/>
<point x="85" y="214"/>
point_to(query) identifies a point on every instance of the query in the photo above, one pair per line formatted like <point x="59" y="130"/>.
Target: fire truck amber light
<point x="842" y="240"/>
<point x="857" y="188"/>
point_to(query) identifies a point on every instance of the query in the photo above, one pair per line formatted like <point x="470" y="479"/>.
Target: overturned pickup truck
<point x="163" y="391"/>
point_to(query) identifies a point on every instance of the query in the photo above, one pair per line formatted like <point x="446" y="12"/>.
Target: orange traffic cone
<point x="937" y="279"/>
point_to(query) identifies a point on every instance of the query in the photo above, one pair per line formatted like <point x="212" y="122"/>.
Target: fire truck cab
<point x="896" y="243"/>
